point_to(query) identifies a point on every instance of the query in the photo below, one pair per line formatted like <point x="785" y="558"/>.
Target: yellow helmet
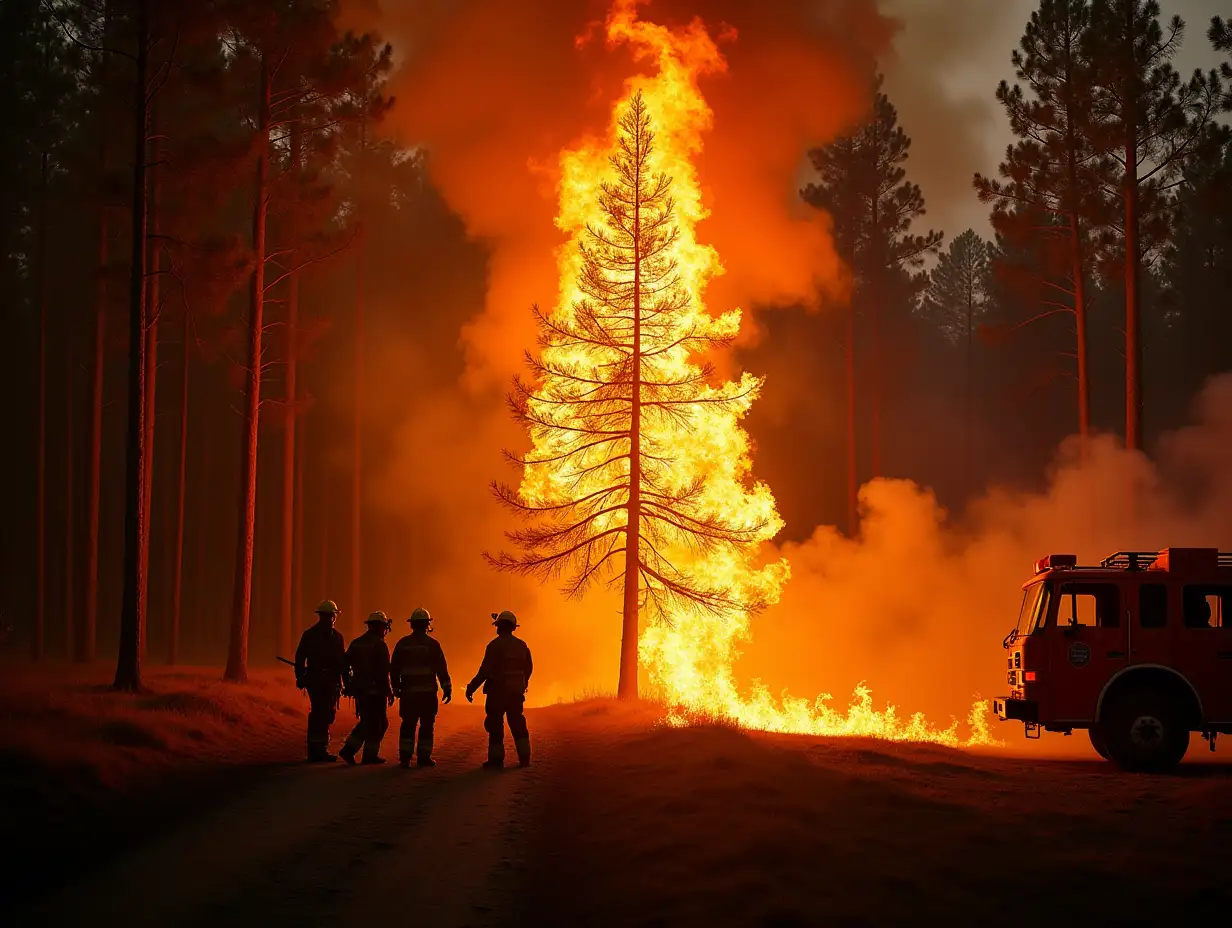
<point x="378" y="618"/>
<point x="420" y="615"/>
<point x="327" y="607"/>
<point x="506" y="616"/>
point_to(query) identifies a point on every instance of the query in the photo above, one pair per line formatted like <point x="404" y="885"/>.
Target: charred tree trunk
<point x="237" y="652"/>
<point x="177" y="598"/>
<point x="1077" y="252"/>
<point x="132" y="616"/>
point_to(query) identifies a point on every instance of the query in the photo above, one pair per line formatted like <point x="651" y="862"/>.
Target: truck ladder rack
<point x="1133" y="560"/>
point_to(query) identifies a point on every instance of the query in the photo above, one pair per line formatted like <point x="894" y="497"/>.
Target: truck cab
<point x="1136" y="650"/>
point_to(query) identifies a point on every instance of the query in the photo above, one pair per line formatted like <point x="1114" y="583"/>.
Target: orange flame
<point x="690" y="659"/>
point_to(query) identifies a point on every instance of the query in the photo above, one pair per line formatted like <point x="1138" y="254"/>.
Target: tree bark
<point x="853" y="512"/>
<point x="70" y="536"/>
<point x="627" y="684"/>
<point x="177" y="597"/>
<point x="237" y="653"/>
<point x="289" y="458"/>
<point x="298" y="566"/>
<point x="151" y="379"/>
<point x="85" y="646"/>
<point x="132" y="616"/>
<point x="1077" y="253"/>
<point x="1133" y="260"/>
<point x="40" y="489"/>
<point x="357" y="456"/>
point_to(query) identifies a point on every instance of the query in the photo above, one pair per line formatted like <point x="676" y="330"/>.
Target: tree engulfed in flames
<point x="689" y="654"/>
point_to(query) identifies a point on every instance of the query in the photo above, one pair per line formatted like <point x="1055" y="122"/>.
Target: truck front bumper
<point x="1008" y="709"/>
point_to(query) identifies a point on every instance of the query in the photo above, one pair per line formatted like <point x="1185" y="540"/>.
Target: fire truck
<point x="1136" y="651"/>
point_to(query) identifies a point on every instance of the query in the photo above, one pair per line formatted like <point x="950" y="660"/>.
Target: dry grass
<point x="709" y="825"/>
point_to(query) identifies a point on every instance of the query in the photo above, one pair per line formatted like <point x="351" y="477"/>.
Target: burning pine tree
<point x="617" y="389"/>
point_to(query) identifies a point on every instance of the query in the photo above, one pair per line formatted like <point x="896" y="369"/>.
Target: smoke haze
<point x="916" y="606"/>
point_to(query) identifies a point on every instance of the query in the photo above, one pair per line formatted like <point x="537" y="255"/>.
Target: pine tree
<point x="1197" y="265"/>
<point x="613" y="388"/>
<point x="1147" y="122"/>
<point x="955" y="301"/>
<point x="1047" y="173"/>
<point x="301" y="74"/>
<point x="861" y="182"/>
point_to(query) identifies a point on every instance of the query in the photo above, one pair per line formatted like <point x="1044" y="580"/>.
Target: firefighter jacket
<point x="506" y="667"/>
<point x="368" y="658"/>
<point x="320" y="659"/>
<point x="418" y="663"/>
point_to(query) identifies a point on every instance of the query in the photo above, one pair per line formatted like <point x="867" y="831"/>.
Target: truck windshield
<point x="1034" y="609"/>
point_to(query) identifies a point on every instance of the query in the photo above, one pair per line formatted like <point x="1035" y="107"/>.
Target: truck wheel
<point x="1098" y="741"/>
<point x="1146" y="732"/>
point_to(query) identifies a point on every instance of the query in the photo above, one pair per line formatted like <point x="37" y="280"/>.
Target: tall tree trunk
<point x="85" y="647"/>
<point x="132" y="616"/>
<point x="323" y="577"/>
<point x="237" y="653"/>
<point x="1077" y="252"/>
<point x="40" y="488"/>
<point x="969" y="431"/>
<point x="153" y="263"/>
<point x="627" y="684"/>
<point x="357" y="454"/>
<point x="288" y="474"/>
<point x="297" y="571"/>
<point x="70" y="535"/>
<point x="1080" y="324"/>
<point x="1133" y="260"/>
<point x="177" y="594"/>
<point x="849" y="356"/>
<point x="289" y="459"/>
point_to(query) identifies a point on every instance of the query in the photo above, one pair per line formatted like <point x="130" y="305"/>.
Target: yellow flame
<point x="690" y="660"/>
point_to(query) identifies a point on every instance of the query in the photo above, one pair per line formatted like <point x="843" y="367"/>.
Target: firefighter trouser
<point x="370" y="729"/>
<point x="417" y="709"/>
<point x="497" y="709"/>
<point x="323" y="703"/>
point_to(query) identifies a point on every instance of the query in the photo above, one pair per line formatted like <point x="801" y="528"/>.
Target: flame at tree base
<point x="689" y="659"/>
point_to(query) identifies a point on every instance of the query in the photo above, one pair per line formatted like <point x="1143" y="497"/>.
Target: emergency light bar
<point x="1053" y="561"/>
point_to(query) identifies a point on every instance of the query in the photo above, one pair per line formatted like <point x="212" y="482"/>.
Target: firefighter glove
<point x="447" y="696"/>
<point x="470" y="694"/>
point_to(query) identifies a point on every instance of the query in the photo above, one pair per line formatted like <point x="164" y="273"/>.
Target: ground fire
<point x="696" y="538"/>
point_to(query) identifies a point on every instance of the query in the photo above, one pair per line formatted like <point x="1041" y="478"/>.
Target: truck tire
<point x="1145" y="731"/>
<point x="1098" y="740"/>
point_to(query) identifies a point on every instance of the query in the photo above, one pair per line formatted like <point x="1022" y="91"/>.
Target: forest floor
<point x="189" y="806"/>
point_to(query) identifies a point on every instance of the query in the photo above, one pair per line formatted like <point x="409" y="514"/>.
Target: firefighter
<point x="417" y="665"/>
<point x="368" y="660"/>
<point x="504" y="676"/>
<point x="320" y="668"/>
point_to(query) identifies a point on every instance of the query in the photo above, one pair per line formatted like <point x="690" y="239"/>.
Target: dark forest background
<point x="252" y="131"/>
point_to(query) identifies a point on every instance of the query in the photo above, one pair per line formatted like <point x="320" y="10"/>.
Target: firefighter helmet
<point x="327" y="607"/>
<point x="507" y="617"/>
<point x="420" y="616"/>
<point x="379" y="618"/>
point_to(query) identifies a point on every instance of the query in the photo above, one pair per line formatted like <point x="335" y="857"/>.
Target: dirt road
<point x="327" y="845"/>
<point x="624" y="822"/>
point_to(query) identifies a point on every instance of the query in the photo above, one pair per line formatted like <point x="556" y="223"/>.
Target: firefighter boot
<point x="523" y="746"/>
<point x="423" y="750"/>
<point x="496" y="754"/>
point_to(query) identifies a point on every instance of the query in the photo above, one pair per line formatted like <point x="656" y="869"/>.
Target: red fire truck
<point x="1137" y="651"/>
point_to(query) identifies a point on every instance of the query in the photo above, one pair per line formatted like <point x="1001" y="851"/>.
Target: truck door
<point x="1088" y="640"/>
<point x="1204" y="646"/>
<point x="1152" y="639"/>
